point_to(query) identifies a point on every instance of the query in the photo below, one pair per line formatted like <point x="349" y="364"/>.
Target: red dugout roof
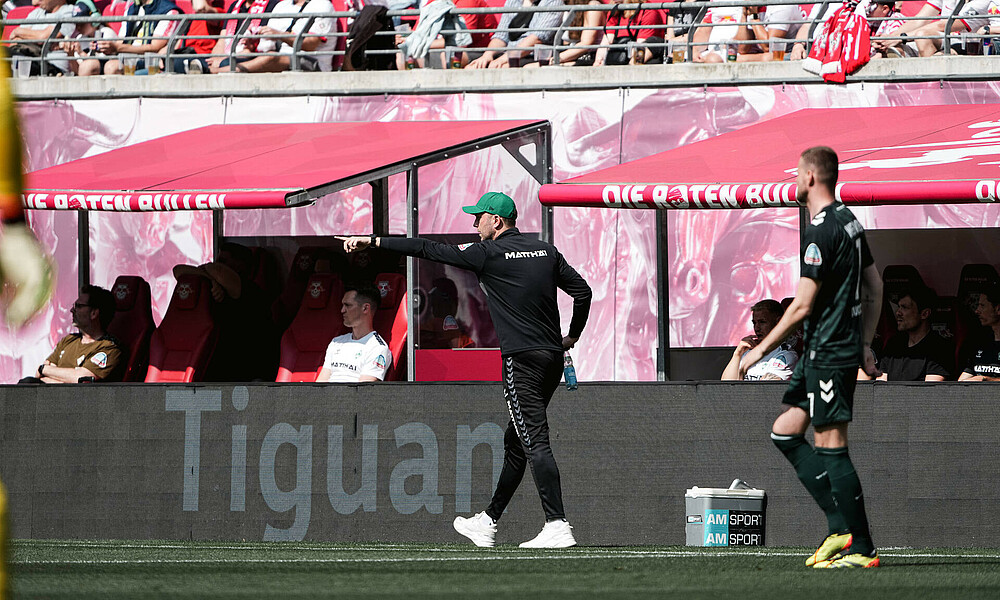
<point x="891" y="155"/>
<point x="254" y="166"/>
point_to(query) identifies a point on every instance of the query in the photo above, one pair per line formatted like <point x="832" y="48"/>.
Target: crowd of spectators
<point x="446" y="35"/>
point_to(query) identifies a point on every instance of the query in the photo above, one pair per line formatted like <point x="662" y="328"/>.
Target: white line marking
<point x="490" y="556"/>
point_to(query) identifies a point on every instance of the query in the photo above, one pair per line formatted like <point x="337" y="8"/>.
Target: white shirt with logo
<point x="349" y="359"/>
<point x="779" y="362"/>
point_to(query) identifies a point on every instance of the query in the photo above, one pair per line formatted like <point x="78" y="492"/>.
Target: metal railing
<point x="180" y="38"/>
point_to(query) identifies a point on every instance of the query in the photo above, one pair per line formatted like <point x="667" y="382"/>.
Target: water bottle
<point x="569" y="373"/>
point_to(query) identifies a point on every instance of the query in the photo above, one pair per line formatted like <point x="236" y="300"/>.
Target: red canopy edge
<point x="146" y="201"/>
<point x="762" y="195"/>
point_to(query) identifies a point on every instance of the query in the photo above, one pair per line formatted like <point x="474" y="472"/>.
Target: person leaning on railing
<point x="518" y="33"/>
<point x="626" y="36"/>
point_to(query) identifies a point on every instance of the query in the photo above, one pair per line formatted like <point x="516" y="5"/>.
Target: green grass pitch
<point x="142" y="569"/>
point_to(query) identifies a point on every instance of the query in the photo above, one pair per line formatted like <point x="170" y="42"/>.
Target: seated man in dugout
<point x="90" y="354"/>
<point x="362" y="354"/>
<point x="776" y="366"/>
<point x="247" y="349"/>
<point x="985" y="362"/>
<point x="512" y="45"/>
<point x="915" y="353"/>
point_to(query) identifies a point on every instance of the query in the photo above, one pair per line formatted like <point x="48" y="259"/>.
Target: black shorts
<point x="826" y="393"/>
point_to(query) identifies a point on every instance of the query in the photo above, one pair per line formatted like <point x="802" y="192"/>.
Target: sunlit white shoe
<point x="555" y="534"/>
<point x="480" y="528"/>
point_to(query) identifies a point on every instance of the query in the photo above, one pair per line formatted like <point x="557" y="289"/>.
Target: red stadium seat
<point x="391" y="321"/>
<point x="115" y="9"/>
<point x="303" y="346"/>
<point x="133" y="323"/>
<point x="182" y="345"/>
<point x="303" y="266"/>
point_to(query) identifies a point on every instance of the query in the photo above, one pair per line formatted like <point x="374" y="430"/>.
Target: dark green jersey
<point x="834" y="253"/>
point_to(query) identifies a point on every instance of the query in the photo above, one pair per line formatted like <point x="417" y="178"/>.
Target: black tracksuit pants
<point x="530" y="378"/>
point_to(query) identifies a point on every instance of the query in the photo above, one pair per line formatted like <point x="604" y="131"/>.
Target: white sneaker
<point x="480" y="528"/>
<point x="555" y="534"/>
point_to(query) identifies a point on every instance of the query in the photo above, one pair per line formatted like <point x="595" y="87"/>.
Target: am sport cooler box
<point x="721" y="517"/>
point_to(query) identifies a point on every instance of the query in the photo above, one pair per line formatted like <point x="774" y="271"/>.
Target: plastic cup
<point x="22" y="67"/>
<point x="129" y="63"/>
<point x="677" y="51"/>
<point x="514" y="59"/>
<point x="543" y="55"/>
<point x="152" y="63"/>
<point x="777" y="50"/>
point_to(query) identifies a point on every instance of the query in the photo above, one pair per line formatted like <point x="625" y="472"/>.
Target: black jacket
<point x="519" y="275"/>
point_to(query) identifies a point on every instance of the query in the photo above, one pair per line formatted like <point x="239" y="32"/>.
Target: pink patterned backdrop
<point x="720" y="263"/>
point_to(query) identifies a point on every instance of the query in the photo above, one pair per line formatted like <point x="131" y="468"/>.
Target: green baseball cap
<point x="495" y="203"/>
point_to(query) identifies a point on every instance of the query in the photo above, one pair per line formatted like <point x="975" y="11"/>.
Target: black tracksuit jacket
<point x="519" y="275"/>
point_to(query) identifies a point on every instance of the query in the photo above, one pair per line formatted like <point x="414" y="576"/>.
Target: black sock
<point x="847" y="490"/>
<point x="812" y="473"/>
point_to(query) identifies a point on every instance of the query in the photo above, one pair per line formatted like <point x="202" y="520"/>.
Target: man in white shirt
<point x="778" y="364"/>
<point x="361" y="355"/>
<point x="321" y="36"/>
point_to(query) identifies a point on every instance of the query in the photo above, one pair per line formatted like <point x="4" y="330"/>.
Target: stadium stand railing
<point x="180" y="36"/>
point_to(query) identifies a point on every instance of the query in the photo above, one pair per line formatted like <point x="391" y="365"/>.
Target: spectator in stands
<point x="518" y="33"/>
<point x="593" y="21"/>
<point x="90" y="354"/>
<point x="776" y="366"/>
<point x="915" y="353"/>
<point x="884" y="20"/>
<point x="81" y="48"/>
<point x="485" y="23"/>
<point x="772" y="27"/>
<point x="241" y="32"/>
<point x="190" y="48"/>
<point x="924" y="17"/>
<point x="28" y="40"/>
<point x="985" y="363"/>
<point x="717" y="31"/>
<point x="283" y="32"/>
<point x="248" y="342"/>
<point x="973" y="16"/>
<point x="633" y="36"/>
<point x="361" y="355"/>
<point x="140" y="37"/>
<point x="680" y="19"/>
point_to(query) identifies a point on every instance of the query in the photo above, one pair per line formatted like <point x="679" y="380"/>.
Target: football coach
<point x="520" y="275"/>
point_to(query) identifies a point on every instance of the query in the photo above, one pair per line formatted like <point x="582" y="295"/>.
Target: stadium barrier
<point x="397" y="462"/>
<point x="980" y="43"/>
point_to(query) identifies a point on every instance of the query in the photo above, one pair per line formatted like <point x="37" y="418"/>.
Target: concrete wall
<point x="397" y="462"/>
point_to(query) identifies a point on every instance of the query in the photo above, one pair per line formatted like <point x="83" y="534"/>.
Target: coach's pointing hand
<point x="356" y="243"/>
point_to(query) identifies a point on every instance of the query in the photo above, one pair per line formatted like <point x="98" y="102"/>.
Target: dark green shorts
<point x="826" y="393"/>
